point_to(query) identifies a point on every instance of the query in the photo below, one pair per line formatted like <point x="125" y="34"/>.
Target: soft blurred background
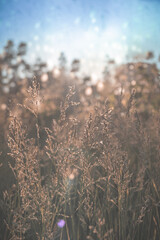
<point x="88" y="30"/>
<point x="104" y="48"/>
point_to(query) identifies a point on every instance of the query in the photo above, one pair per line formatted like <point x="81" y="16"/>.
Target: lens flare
<point x="61" y="223"/>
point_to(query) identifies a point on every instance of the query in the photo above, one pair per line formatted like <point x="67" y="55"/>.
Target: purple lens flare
<point x="61" y="223"/>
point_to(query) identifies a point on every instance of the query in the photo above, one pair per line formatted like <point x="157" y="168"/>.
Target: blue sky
<point x="85" y="29"/>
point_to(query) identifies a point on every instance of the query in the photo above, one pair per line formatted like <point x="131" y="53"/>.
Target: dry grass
<point x="101" y="178"/>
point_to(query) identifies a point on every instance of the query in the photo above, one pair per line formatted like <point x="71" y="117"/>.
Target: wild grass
<point x="98" y="181"/>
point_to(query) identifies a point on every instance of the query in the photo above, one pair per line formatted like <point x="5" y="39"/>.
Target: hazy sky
<point x="85" y="29"/>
